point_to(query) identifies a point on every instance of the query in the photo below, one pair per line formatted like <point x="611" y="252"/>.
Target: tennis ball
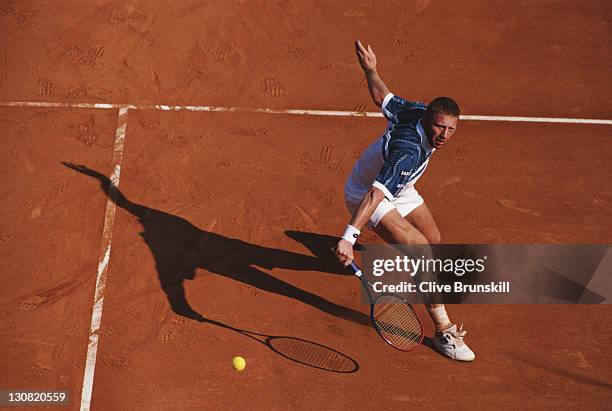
<point x="239" y="363"/>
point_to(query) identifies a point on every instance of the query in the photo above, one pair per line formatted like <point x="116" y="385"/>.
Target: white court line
<point x="107" y="234"/>
<point x="163" y="107"/>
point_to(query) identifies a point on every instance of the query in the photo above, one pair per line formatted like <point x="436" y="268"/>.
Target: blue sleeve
<point x="400" y="163"/>
<point x="393" y="106"/>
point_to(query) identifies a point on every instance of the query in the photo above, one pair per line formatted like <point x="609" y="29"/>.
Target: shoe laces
<point x="456" y="335"/>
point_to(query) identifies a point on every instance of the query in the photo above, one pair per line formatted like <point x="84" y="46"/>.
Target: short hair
<point x="444" y="105"/>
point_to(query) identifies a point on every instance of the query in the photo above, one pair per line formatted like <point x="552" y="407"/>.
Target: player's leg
<point x="405" y="224"/>
<point x="395" y="229"/>
<point x="423" y="221"/>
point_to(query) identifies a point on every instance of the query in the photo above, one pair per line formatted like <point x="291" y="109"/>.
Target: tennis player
<point x="380" y="189"/>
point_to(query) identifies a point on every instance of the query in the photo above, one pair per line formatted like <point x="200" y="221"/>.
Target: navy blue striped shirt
<point x="405" y="148"/>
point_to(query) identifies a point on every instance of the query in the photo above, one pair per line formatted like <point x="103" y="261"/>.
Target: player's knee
<point x="413" y="238"/>
<point x="435" y="237"/>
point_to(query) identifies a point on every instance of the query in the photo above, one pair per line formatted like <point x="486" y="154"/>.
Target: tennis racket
<point x="393" y="318"/>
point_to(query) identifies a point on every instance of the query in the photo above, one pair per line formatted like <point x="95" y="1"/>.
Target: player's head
<point x="440" y="120"/>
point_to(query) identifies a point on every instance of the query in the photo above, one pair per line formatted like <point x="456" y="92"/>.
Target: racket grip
<point x="356" y="269"/>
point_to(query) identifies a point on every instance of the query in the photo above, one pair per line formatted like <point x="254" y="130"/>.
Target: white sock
<point x="439" y="317"/>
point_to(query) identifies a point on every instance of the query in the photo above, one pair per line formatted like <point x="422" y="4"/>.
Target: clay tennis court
<point x="227" y="211"/>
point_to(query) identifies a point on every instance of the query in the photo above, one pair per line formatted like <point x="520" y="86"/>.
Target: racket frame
<point x="373" y="299"/>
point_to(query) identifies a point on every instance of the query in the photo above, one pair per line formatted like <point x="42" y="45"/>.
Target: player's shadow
<point x="428" y="342"/>
<point x="179" y="248"/>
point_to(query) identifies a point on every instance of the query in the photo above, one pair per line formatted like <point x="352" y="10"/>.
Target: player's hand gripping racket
<point x="393" y="318"/>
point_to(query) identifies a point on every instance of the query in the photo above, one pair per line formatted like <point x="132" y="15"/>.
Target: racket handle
<point x="356" y="269"/>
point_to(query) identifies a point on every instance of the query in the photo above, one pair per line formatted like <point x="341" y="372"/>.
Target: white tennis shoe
<point x="450" y="344"/>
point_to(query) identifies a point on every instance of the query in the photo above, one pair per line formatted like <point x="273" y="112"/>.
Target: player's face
<point x="439" y="128"/>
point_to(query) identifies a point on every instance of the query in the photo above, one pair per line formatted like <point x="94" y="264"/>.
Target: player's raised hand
<point x="366" y="57"/>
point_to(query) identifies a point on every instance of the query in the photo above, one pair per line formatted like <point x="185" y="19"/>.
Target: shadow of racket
<point x="298" y="350"/>
<point x="401" y="332"/>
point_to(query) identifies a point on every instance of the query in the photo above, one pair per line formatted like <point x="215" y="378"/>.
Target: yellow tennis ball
<point x="239" y="363"/>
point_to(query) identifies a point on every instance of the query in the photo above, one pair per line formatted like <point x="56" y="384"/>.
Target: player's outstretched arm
<point x="367" y="206"/>
<point x="367" y="61"/>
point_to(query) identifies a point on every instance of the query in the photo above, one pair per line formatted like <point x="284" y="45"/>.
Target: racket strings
<point x="397" y="323"/>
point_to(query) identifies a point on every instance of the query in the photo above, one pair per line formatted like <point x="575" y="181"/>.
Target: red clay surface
<point x="50" y="242"/>
<point x="241" y="205"/>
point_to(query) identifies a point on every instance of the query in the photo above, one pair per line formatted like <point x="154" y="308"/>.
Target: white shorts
<point x="409" y="200"/>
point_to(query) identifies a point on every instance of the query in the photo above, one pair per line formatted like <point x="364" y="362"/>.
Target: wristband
<point x="351" y="234"/>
